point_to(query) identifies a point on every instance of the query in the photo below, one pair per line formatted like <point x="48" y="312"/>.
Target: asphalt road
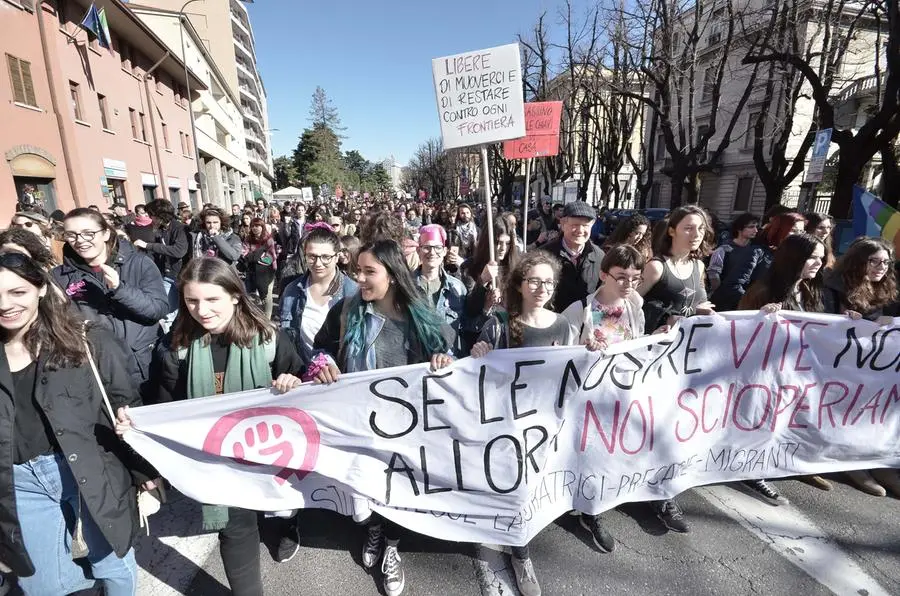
<point x="840" y="542"/>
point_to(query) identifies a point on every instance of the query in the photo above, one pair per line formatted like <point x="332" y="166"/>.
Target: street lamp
<point x="187" y="84"/>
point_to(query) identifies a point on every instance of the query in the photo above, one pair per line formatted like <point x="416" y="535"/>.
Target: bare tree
<point x="859" y="134"/>
<point x="697" y="88"/>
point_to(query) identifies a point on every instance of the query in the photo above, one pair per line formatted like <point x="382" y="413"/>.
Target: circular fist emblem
<point x="286" y="438"/>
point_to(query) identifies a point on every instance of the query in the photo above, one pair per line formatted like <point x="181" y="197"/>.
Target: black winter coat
<point x="132" y="311"/>
<point x="170" y="374"/>
<point x="105" y="468"/>
<point x="576" y="280"/>
<point x="171" y="249"/>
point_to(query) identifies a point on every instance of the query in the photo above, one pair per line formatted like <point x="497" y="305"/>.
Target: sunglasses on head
<point x="22" y="264"/>
<point x="24" y="224"/>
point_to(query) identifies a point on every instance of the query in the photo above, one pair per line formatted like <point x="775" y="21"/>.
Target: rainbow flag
<point x="874" y="217"/>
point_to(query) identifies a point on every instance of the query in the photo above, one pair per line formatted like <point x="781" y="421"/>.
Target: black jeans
<point x="239" y="547"/>
<point x="391" y="530"/>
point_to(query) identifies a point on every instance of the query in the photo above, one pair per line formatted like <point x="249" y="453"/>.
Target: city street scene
<point x="504" y="298"/>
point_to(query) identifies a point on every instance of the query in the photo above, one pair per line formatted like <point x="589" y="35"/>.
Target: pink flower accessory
<point x="76" y="289"/>
<point x="318" y="364"/>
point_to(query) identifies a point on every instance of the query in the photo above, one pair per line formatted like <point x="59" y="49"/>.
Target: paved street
<point x="841" y="542"/>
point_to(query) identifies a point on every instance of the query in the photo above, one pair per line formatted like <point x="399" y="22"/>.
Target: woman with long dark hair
<point x="633" y="231"/>
<point x="221" y="342"/>
<point x="793" y="282"/>
<point x="67" y="485"/>
<point x="260" y="263"/>
<point x="387" y="323"/>
<point x="531" y="323"/>
<point x="113" y="284"/>
<point x="821" y="226"/>
<point x="673" y="288"/>
<point x="864" y="281"/>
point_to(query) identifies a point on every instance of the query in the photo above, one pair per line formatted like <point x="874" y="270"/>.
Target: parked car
<point x="654" y="214"/>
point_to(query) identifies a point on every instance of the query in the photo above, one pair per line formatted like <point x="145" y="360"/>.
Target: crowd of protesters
<point x="164" y="303"/>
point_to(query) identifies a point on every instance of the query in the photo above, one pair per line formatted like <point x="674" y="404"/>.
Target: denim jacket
<point x="450" y="306"/>
<point x="330" y="340"/>
<point x="293" y="302"/>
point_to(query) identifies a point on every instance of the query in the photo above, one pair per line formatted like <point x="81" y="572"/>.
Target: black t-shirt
<point x="34" y="436"/>
<point x="219" y="348"/>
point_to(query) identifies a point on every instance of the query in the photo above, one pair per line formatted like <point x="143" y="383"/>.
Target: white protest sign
<point x="307" y="193"/>
<point x="494" y="449"/>
<point x="819" y="155"/>
<point x="479" y="96"/>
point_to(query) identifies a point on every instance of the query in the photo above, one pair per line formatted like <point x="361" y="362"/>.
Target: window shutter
<point x="27" y="83"/>
<point x="15" y="76"/>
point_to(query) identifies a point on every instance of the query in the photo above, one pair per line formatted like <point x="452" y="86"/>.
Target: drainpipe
<point x="162" y="177"/>
<point x="68" y="155"/>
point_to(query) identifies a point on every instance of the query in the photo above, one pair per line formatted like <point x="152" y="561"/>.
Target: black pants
<point x="239" y="547"/>
<point x="391" y="530"/>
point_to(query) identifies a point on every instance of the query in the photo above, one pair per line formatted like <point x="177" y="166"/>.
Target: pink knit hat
<point x="433" y="232"/>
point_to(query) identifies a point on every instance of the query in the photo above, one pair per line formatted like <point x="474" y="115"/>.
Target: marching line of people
<point x="100" y="312"/>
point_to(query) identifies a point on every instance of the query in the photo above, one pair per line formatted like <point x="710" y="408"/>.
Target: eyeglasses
<point x="536" y="282"/>
<point x="324" y="259"/>
<point x="628" y="281"/>
<point x="873" y="262"/>
<point x="23" y="224"/>
<point x="86" y="235"/>
<point x="432" y="249"/>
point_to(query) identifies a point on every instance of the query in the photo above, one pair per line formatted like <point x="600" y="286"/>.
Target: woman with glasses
<point x="387" y="323"/>
<point x="864" y="281"/>
<point x="113" y="284"/>
<point x="67" y="483"/>
<point x="531" y="323"/>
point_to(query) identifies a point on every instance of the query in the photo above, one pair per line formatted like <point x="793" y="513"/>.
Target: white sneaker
<point x="392" y="571"/>
<point x="372" y="549"/>
<point x="525" y="577"/>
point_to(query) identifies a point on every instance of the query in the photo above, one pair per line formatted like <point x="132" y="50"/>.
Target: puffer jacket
<point x="105" y="467"/>
<point x="132" y="311"/>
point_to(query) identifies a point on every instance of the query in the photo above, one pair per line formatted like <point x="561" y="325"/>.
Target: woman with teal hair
<point x="387" y="323"/>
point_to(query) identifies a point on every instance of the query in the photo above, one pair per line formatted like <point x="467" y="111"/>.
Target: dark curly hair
<point x="863" y="295"/>
<point x="513" y="292"/>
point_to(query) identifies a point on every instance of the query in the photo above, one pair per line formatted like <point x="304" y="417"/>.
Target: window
<point x="104" y="114"/>
<point x="660" y="148"/>
<point x="132" y="116"/>
<point x="20" y="77"/>
<point x="750" y="137"/>
<point x="181" y="140"/>
<point x="654" y="195"/>
<point x="165" y="135"/>
<point x="709" y="83"/>
<point x="143" y="122"/>
<point x="149" y="193"/>
<point x="187" y="143"/>
<point x="744" y="192"/>
<point x="174" y="194"/>
<point x="125" y="55"/>
<point x="75" y="96"/>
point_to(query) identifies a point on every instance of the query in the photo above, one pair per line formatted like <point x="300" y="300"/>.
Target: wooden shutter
<point x="27" y="83"/>
<point x="15" y="76"/>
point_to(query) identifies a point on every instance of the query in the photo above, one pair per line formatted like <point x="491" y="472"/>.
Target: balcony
<point x="253" y="137"/>
<point x="247" y="53"/>
<point x="257" y="159"/>
<point x="252" y="118"/>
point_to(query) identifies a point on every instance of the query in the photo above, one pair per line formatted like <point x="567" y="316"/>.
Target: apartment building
<point x="733" y="186"/>
<point x="85" y="125"/>
<point x="224" y="29"/>
<point x="219" y="122"/>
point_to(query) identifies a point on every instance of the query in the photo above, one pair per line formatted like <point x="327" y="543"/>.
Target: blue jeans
<point x="171" y="288"/>
<point x="47" y="499"/>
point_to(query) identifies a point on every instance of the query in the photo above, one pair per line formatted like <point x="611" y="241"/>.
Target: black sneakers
<point x="602" y="538"/>
<point x="670" y="514"/>
<point x="289" y="544"/>
<point x="767" y="492"/>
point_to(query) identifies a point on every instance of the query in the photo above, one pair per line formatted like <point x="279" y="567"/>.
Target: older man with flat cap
<point x="580" y="258"/>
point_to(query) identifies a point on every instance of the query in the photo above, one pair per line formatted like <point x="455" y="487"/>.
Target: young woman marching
<point x="221" y="342"/>
<point x="260" y="263"/>
<point x="112" y="283"/>
<point x="673" y="288"/>
<point x="387" y="323"/>
<point x="67" y="482"/>
<point x="864" y="281"/>
<point x="530" y="324"/>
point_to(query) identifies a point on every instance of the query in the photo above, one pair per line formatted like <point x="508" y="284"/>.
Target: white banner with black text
<point x="494" y="449"/>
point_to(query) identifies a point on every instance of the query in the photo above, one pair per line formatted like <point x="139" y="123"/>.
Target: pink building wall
<point x="96" y="154"/>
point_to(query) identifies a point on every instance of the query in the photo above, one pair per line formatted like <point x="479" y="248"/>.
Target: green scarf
<point x="247" y="368"/>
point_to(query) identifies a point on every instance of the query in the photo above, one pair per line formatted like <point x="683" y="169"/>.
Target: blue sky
<point x="373" y="59"/>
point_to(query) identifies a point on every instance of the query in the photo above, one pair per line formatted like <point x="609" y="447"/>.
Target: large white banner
<point x="493" y="450"/>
